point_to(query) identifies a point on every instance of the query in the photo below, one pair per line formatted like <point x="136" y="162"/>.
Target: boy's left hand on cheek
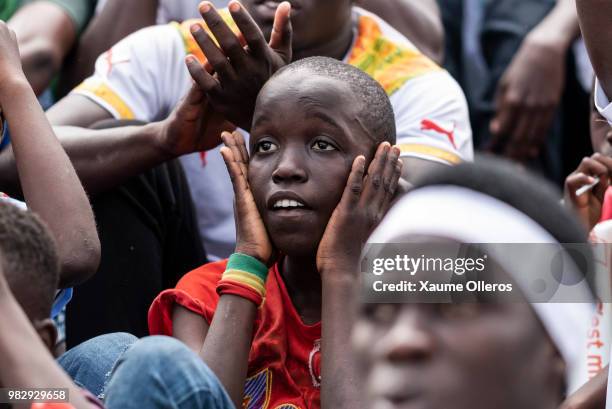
<point x="365" y="201"/>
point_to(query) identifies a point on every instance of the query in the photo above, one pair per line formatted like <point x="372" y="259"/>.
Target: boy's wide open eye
<point x="266" y="147"/>
<point x="323" y="145"/>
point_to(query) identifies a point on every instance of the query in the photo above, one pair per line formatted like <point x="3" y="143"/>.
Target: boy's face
<point x="601" y="132"/>
<point x="315" y="22"/>
<point x="475" y="355"/>
<point x="306" y="133"/>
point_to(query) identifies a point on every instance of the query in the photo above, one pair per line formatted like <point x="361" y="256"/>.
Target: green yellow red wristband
<point x="244" y="276"/>
<point x="242" y="262"/>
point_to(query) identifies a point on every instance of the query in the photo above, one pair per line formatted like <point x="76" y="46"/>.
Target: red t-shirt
<point x="285" y="360"/>
<point x="606" y="209"/>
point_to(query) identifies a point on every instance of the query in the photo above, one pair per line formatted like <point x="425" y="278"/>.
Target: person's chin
<point x="288" y="221"/>
<point x="297" y="243"/>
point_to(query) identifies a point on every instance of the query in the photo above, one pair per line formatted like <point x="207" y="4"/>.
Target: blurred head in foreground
<point x="477" y="354"/>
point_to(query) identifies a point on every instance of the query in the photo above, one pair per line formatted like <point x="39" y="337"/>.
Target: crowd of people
<point x="188" y="190"/>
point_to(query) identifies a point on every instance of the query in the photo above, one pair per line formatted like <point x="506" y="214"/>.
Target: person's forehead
<point x="310" y="91"/>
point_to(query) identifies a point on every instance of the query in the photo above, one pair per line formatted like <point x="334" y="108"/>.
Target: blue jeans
<point x="154" y="373"/>
<point x="91" y="363"/>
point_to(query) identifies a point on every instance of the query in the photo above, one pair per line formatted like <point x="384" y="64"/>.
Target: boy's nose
<point x="407" y="341"/>
<point x="289" y="170"/>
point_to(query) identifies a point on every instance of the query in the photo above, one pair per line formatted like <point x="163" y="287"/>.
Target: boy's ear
<point x="47" y="332"/>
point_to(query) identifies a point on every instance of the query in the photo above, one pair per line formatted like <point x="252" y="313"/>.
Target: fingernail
<point x="204" y="7"/>
<point x="396" y="150"/>
<point x="234" y="6"/>
<point x="195" y="28"/>
<point x="190" y="59"/>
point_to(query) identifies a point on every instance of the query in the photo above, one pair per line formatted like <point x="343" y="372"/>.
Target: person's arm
<point x="107" y="157"/>
<point x="26" y="362"/>
<point x="530" y="90"/>
<point x="363" y="204"/>
<point x="49" y="182"/>
<point x="595" y="17"/>
<point x="234" y="316"/>
<point x="46" y="33"/>
<point x="117" y="20"/>
<point x="419" y="21"/>
<point x="592" y="395"/>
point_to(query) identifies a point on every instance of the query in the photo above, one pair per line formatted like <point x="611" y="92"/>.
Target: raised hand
<point x="527" y="98"/>
<point x="364" y="203"/>
<point x="251" y="236"/>
<point x="241" y="65"/>
<point x="589" y="204"/>
<point x="10" y="61"/>
<point x="193" y="126"/>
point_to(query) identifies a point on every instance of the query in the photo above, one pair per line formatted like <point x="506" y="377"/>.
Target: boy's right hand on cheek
<point x="236" y="73"/>
<point x="10" y="60"/>
<point x="589" y="204"/>
<point x="251" y="235"/>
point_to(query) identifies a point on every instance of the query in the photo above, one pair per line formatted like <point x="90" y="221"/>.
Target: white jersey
<point x="174" y="10"/>
<point x="181" y="10"/>
<point x="602" y="102"/>
<point x="143" y="77"/>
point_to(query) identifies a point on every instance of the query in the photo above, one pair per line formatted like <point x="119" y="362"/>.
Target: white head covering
<point x="468" y="216"/>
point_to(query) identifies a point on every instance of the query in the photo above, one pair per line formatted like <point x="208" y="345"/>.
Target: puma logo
<point x="428" y="125"/>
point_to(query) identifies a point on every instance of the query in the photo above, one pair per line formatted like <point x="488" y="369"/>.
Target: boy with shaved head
<point x="319" y="174"/>
<point x="143" y="77"/>
<point x="316" y="122"/>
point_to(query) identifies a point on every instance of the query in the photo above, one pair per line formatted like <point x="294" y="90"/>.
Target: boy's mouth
<point x="287" y="201"/>
<point x="287" y="204"/>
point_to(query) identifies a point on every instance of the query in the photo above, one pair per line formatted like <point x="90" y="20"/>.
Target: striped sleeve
<point x="142" y="77"/>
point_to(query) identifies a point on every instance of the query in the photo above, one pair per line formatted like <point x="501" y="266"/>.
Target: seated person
<point x="593" y="207"/>
<point x="516" y="61"/>
<point x="50" y="185"/>
<point x="487" y="354"/>
<point x="317" y="122"/>
<point x="431" y="112"/>
<point x="143" y="77"/>
<point x="595" y="204"/>
<point x="594" y="16"/>
<point x="29" y="276"/>
<point x="116" y="19"/>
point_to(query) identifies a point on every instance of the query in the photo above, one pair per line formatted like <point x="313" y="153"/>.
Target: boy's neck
<point x="303" y="284"/>
<point x="335" y="48"/>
